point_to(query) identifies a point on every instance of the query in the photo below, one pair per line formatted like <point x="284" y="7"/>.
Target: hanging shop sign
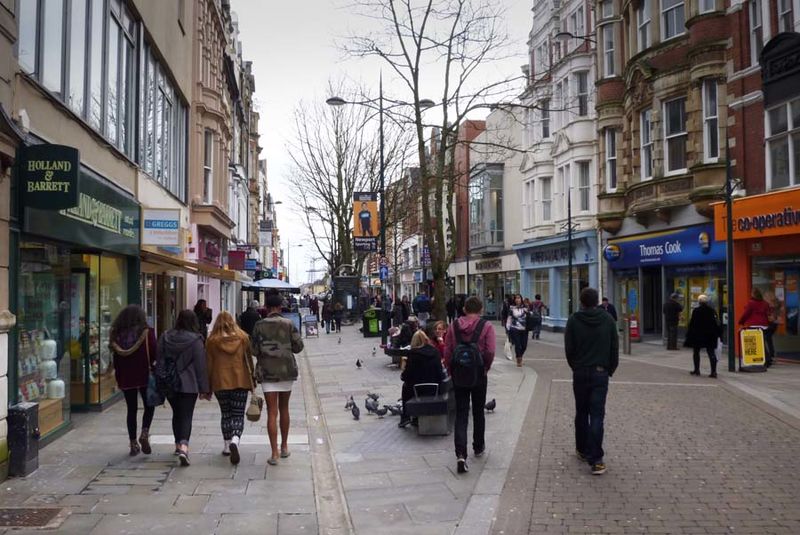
<point x="161" y="227"/>
<point x="689" y="245"/>
<point x="103" y="218"/>
<point x="236" y="260"/>
<point x="760" y="216"/>
<point x="494" y="264"/>
<point x="365" y="221"/>
<point x="49" y="176"/>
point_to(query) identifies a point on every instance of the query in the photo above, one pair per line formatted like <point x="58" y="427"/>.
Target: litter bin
<point x="23" y="438"/>
<point x="371" y="325"/>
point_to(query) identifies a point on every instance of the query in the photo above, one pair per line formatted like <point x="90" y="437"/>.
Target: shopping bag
<point x="153" y="396"/>
<point x="253" y="412"/>
<point x="508" y="350"/>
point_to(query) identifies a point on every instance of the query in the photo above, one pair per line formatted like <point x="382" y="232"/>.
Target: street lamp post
<point x="288" y="258"/>
<point x="729" y="186"/>
<point x="569" y="250"/>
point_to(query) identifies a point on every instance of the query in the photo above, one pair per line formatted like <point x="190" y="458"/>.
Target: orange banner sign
<point x="760" y="216"/>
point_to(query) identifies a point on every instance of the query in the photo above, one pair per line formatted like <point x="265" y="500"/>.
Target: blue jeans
<point x="590" y="386"/>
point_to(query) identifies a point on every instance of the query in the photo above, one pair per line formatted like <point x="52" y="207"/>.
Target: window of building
<point x="607" y="8"/>
<point x="584" y="186"/>
<point x="565" y="184"/>
<point x="785" y="16"/>
<point x="675" y="135"/>
<point x="560" y="102"/>
<point x="528" y="201"/>
<point x="783" y="145"/>
<point x="707" y="5"/>
<point x="608" y="51"/>
<point x="673" y="18"/>
<point x="710" y="121"/>
<point x="76" y="92"/>
<point x="543" y="59"/>
<point x="486" y="205"/>
<point x="646" y="143"/>
<point x="577" y="25"/>
<point x="756" y="31"/>
<point x="582" y="92"/>
<point x="547" y="197"/>
<point x="611" y="159"/>
<point x="52" y="44"/>
<point x="544" y="106"/>
<point x="208" y="167"/>
<point x="643" y="17"/>
<point x="26" y="42"/>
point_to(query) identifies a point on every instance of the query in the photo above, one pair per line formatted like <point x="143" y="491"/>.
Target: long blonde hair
<point x="419" y="339"/>
<point x="225" y="325"/>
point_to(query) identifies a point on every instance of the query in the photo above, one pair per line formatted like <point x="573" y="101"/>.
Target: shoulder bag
<point x="253" y="412"/>
<point x="153" y="396"/>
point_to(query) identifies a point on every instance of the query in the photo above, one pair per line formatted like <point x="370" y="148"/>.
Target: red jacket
<point x="132" y="363"/>
<point x="466" y="327"/>
<point x="755" y="313"/>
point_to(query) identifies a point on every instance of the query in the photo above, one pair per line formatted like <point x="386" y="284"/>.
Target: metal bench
<point x="396" y="354"/>
<point x="434" y="413"/>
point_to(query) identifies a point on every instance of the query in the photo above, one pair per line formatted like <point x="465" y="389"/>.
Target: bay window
<point x="707" y="5"/>
<point x="486" y="206"/>
<point x="547" y="198"/>
<point x="646" y="144"/>
<point x="544" y="108"/>
<point x="608" y="51"/>
<point x="584" y="187"/>
<point x="643" y="23"/>
<point x="208" y="167"/>
<point x="611" y="159"/>
<point x="675" y="136"/>
<point x="756" y="31"/>
<point x="785" y="16"/>
<point x="673" y="19"/>
<point x="582" y="92"/>
<point x="783" y="145"/>
<point x="710" y="121"/>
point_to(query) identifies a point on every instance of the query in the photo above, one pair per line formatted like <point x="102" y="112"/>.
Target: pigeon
<point x="373" y="396"/>
<point x="382" y="412"/>
<point x="371" y="405"/>
<point x="356" y="412"/>
<point x="374" y="350"/>
<point x="491" y="405"/>
<point x="394" y="410"/>
<point x="349" y="404"/>
<point x="340" y="339"/>
<point x="358" y="363"/>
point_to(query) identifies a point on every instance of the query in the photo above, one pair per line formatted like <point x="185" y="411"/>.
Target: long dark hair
<point x="187" y="321"/>
<point x="130" y="319"/>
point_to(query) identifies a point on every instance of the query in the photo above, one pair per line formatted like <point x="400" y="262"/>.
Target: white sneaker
<point x="234" y="447"/>
<point x="226" y="449"/>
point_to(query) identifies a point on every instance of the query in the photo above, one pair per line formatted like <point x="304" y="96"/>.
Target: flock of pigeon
<point x="373" y="407"/>
<point x="360" y="363"/>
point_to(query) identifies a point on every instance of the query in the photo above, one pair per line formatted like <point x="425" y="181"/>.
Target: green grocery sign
<point x="49" y="176"/>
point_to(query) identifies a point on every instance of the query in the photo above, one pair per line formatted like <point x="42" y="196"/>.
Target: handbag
<point x="153" y="397"/>
<point x="253" y="411"/>
<point x="508" y="349"/>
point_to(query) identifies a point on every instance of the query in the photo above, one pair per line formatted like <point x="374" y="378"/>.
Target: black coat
<point x="248" y="320"/>
<point x="424" y="365"/>
<point x="704" y="329"/>
<point x="672" y="311"/>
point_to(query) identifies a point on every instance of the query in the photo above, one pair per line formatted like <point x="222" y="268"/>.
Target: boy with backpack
<point x="469" y="352"/>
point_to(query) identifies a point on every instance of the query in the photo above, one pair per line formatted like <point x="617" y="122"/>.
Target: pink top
<point x="755" y="313"/>
<point x="466" y="326"/>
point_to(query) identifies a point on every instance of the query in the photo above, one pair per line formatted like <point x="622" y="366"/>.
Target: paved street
<point x="685" y="455"/>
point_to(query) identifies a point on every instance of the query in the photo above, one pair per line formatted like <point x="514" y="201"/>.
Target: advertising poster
<point x="753" y="350"/>
<point x="366" y="221"/>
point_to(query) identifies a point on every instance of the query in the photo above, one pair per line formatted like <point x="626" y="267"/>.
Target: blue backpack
<point x="467" y="363"/>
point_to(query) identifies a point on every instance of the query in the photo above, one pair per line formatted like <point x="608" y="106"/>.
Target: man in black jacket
<point x="249" y="317"/>
<point x="592" y="349"/>
<point x="672" y="315"/>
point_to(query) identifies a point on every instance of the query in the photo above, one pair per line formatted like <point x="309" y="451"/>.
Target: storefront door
<point x="651" y="300"/>
<point x="80" y="344"/>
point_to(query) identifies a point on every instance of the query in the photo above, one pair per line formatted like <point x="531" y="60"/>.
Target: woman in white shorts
<point x="275" y="341"/>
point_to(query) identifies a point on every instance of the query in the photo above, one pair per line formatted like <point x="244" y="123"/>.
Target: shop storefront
<point x="647" y="268"/>
<point x="545" y="272"/>
<point x="76" y="268"/>
<point x="766" y="251"/>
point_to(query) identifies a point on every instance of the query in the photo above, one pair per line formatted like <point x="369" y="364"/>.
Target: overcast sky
<point x="293" y="47"/>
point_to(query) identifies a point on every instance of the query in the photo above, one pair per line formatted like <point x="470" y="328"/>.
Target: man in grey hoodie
<point x="592" y="348"/>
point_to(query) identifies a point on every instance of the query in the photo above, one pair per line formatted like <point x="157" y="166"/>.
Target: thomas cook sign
<point x="49" y="176"/>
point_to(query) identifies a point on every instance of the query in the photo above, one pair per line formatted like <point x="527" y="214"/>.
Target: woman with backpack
<point x="424" y="365"/>
<point x="182" y="367"/>
<point x="133" y="344"/>
<point x="229" y="364"/>
<point x="517" y="328"/>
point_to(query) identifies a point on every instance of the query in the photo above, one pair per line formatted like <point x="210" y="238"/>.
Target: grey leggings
<point x="232" y="404"/>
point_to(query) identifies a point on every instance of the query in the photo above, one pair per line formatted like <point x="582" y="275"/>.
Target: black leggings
<point x="133" y="407"/>
<point x="182" y="412"/>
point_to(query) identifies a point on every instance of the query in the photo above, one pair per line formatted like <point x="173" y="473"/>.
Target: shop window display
<point x="43" y="315"/>
<point x="779" y="282"/>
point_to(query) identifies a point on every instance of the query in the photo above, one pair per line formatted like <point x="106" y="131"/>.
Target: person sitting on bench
<point x="424" y="365"/>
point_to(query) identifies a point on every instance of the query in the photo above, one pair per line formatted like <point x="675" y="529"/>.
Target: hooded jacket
<point x="591" y="339"/>
<point x="226" y="357"/>
<point x="248" y="320"/>
<point x="466" y="326"/>
<point x="132" y="363"/>
<point x="189" y="352"/>
<point x="424" y="365"/>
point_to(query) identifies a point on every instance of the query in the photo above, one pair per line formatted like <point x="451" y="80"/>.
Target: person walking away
<point x="227" y="355"/>
<point x="672" y="314"/>
<point x="274" y="343"/>
<point x="756" y="314"/>
<point x="203" y="314"/>
<point x="338" y="314"/>
<point x="505" y="310"/>
<point x="134" y="346"/>
<point x="469" y="353"/>
<point x="423" y="365"/>
<point x="516" y="328"/>
<point x="406" y="308"/>
<point x="249" y="317"/>
<point x="608" y="307"/>
<point x="422" y="307"/>
<point x="704" y="332"/>
<point x="537" y="313"/>
<point x="591" y="345"/>
<point x="451" y="309"/>
<point x="314" y="305"/>
<point x="183" y="348"/>
<point x="327" y="315"/>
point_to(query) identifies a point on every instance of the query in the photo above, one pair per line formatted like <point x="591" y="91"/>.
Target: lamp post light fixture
<point x="423" y="104"/>
<point x="288" y="258"/>
<point x="565" y="37"/>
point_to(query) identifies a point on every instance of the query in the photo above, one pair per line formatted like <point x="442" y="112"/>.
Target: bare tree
<point x="449" y="42"/>
<point x="335" y="154"/>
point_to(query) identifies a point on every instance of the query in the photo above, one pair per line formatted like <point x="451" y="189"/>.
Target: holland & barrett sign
<point x="49" y="176"/>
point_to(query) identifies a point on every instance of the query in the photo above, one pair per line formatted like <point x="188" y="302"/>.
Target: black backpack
<point x="168" y="379"/>
<point x="467" y="363"/>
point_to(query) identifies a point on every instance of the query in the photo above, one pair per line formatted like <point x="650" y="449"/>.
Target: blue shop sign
<point x="692" y="245"/>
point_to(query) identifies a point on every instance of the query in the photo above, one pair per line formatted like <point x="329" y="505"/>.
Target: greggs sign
<point x="760" y="216"/>
<point x="49" y="176"/>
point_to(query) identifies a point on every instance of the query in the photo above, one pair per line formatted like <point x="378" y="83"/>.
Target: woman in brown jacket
<point x="227" y="354"/>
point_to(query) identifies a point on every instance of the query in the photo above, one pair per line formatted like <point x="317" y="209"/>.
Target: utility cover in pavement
<point x="29" y="517"/>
